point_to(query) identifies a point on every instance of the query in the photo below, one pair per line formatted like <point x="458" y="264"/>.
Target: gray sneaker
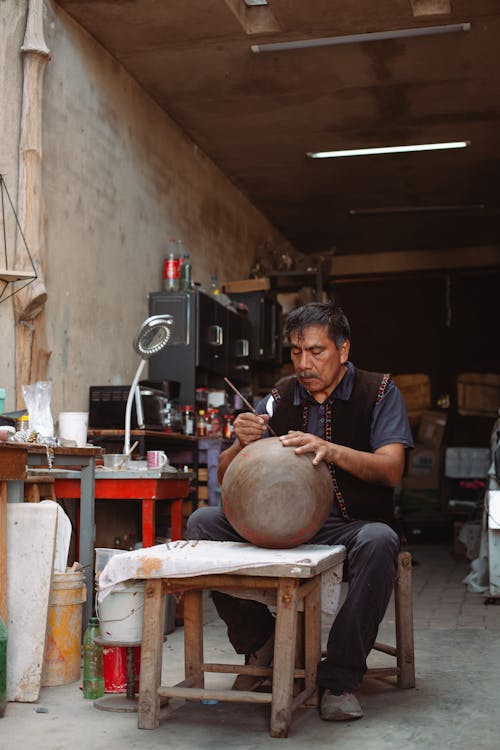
<point x="262" y="658"/>
<point x="344" y="707"/>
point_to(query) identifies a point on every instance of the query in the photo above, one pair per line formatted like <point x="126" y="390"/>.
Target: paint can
<point x="120" y="613"/>
<point x="114" y="667"/>
<point x="73" y="426"/>
<point x="63" y="650"/>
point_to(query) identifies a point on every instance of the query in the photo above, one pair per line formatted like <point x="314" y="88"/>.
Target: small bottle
<point x="93" y="680"/>
<point x="201" y="427"/>
<point x="214" y="286"/>
<point x="228" y="427"/>
<point x="171" y="268"/>
<point x="185" y="273"/>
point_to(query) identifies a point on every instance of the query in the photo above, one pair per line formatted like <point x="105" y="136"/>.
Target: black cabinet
<point x="264" y="313"/>
<point x="208" y="341"/>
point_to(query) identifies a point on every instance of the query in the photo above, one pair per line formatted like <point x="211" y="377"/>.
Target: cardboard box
<point x="416" y="392"/>
<point x="247" y="285"/>
<point x="478" y="394"/>
<point x="432" y="428"/>
<point x="423" y="468"/>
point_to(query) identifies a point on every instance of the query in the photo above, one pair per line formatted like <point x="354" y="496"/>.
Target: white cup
<point x="73" y="426"/>
<point x="156" y="459"/>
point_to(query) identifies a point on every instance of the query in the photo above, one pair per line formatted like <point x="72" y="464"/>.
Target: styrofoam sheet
<point x="31" y="534"/>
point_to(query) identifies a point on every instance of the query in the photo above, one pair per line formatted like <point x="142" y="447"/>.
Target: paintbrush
<point x="247" y="403"/>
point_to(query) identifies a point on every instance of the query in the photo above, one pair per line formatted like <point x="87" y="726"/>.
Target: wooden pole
<point x="29" y="303"/>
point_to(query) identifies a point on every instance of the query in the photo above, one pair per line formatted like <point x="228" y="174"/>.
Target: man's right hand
<point x="250" y="427"/>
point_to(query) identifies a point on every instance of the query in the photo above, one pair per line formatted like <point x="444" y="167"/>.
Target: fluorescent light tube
<point x="374" y="36"/>
<point x="464" y="208"/>
<point x="387" y="150"/>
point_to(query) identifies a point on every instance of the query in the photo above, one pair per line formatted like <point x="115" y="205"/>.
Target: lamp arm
<point x="128" y="408"/>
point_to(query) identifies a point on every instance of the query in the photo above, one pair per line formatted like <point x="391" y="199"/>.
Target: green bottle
<point x="3" y="667"/>
<point x="93" y="680"/>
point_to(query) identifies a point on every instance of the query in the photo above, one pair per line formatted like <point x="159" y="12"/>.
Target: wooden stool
<point x="404" y="649"/>
<point x="40" y="487"/>
<point x="294" y="584"/>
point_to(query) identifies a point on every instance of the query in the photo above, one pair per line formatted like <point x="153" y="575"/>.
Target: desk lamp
<point x="153" y="335"/>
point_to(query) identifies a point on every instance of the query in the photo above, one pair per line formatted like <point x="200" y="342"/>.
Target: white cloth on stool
<point x="182" y="559"/>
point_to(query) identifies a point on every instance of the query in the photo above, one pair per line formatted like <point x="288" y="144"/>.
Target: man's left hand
<point x="306" y="443"/>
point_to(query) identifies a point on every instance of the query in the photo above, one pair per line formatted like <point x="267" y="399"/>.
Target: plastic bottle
<point x="185" y="273"/>
<point x="171" y="268"/>
<point x="3" y="667"/>
<point x="93" y="680"/>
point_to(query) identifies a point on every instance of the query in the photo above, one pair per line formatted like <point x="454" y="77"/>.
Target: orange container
<point x="63" y="648"/>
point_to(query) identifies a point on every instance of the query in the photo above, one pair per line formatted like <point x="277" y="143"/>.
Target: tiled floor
<point x="441" y="600"/>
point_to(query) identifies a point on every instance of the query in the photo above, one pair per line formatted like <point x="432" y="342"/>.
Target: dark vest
<point x="350" y="426"/>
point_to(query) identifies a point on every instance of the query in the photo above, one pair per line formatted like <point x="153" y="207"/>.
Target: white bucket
<point x="120" y="613"/>
<point x="73" y="426"/>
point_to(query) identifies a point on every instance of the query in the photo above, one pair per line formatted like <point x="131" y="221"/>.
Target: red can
<point x="114" y="669"/>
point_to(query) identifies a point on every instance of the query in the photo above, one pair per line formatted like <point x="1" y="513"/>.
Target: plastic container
<point x="2" y="399"/>
<point x="467" y="463"/>
<point x="63" y="653"/>
<point x="93" y="679"/>
<point x="103" y="555"/>
<point x="73" y="426"/>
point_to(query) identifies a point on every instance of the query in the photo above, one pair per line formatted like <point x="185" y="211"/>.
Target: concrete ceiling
<point x="256" y="115"/>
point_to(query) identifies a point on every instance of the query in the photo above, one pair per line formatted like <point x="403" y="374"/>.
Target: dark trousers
<point x="372" y="550"/>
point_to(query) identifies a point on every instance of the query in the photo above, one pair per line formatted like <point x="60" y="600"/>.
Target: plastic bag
<point x="37" y="399"/>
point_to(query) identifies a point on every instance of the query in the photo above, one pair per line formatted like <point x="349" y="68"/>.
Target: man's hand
<point x="384" y="466"/>
<point x="306" y="443"/>
<point x="250" y="427"/>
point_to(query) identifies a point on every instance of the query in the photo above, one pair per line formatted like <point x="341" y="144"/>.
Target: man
<point x="356" y="422"/>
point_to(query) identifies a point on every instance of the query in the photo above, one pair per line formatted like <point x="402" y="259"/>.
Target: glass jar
<point x="188" y="419"/>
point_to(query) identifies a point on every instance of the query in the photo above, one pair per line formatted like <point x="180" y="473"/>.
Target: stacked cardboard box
<point x="425" y="462"/>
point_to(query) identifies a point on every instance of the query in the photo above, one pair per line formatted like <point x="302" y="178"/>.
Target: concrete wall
<point x="120" y="179"/>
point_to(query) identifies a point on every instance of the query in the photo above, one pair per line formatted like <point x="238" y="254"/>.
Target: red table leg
<point x="148" y="523"/>
<point x="176" y="519"/>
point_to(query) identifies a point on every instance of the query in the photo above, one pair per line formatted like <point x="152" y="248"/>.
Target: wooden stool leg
<point x="151" y="654"/>
<point x="300" y="646"/>
<point x="404" y="622"/>
<point x="312" y="612"/>
<point x="193" y="638"/>
<point x="284" y="656"/>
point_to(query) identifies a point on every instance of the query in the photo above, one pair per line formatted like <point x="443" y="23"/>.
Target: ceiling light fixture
<point x="387" y="150"/>
<point x="374" y="36"/>
<point x="461" y="208"/>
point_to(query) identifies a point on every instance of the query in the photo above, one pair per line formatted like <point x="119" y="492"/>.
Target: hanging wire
<point x="3" y="187"/>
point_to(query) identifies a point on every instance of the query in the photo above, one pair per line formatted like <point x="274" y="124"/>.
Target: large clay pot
<point x="274" y="497"/>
